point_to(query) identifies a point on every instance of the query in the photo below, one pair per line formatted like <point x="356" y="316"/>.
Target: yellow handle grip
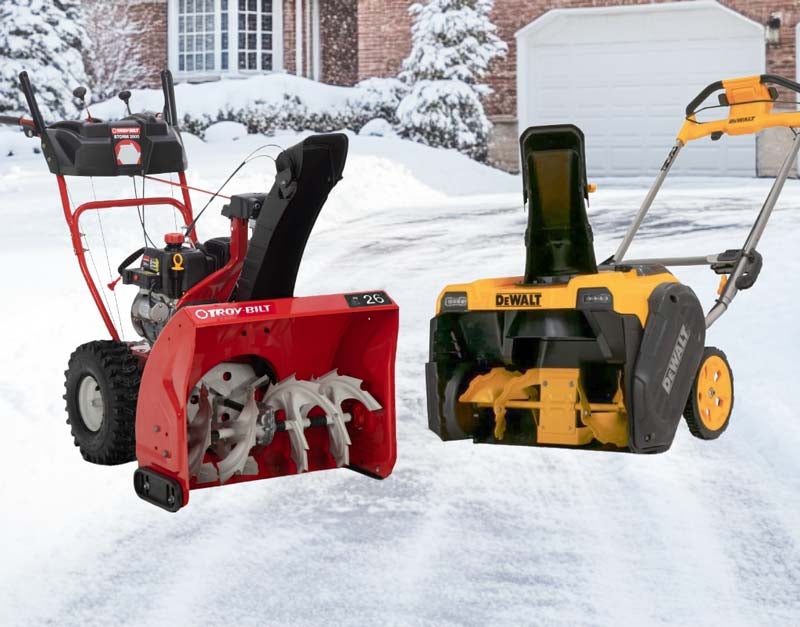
<point x="750" y="111"/>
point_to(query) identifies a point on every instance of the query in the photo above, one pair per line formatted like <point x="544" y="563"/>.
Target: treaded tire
<point x="117" y="374"/>
<point x="693" y="412"/>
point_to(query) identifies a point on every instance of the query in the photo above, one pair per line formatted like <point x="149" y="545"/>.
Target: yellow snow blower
<point x="608" y="356"/>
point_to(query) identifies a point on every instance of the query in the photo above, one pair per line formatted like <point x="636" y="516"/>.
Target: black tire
<point x="111" y="373"/>
<point x="460" y="418"/>
<point x="701" y="425"/>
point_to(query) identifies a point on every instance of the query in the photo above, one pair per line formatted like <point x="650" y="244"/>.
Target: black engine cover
<point x="670" y="353"/>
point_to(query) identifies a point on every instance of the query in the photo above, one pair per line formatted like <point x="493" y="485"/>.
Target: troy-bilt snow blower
<point x="574" y="354"/>
<point x="234" y="379"/>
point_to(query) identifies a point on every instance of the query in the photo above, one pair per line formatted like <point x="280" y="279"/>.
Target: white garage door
<point x="625" y="75"/>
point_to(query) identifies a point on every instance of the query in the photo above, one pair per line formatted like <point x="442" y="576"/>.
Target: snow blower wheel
<point x="102" y="384"/>
<point x="708" y="410"/>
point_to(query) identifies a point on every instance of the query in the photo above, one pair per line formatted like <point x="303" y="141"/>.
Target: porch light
<point x="773" y="30"/>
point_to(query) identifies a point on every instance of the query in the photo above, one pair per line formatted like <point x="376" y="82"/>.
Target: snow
<point x="13" y="142"/>
<point x="706" y="534"/>
<point x="377" y="127"/>
<point x="225" y="131"/>
<point x="230" y="94"/>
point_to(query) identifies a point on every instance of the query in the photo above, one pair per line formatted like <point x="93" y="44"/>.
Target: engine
<point x="165" y="274"/>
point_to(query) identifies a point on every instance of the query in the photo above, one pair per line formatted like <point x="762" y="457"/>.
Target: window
<point x="212" y="37"/>
<point x="255" y="35"/>
<point x="196" y="31"/>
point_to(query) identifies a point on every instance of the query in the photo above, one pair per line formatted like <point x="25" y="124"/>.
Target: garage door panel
<point x="625" y="77"/>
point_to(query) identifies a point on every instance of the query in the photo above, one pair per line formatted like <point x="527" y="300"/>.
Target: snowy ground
<point x="707" y="534"/>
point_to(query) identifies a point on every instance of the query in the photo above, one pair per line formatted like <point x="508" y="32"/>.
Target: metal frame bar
<point x="730" y="290"/>
<point x="73" y="222"/>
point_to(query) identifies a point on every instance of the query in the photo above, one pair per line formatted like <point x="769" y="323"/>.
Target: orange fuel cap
<point x="174" y="239"/>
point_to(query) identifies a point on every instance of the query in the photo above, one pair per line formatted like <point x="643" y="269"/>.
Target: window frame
<point x="233" y="43"/>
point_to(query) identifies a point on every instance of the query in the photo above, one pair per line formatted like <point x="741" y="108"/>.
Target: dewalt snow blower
<point x="608" y="356"/>
<point x="234" y="378"/>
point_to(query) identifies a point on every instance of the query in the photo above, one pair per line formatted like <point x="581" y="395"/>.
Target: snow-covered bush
<point x="270" y="103"/>
<point x="452" y="39"/>
<point x="44" y="38"/>
<point x="378" y="98"/>
<point x="115" y="51"/>
<point x="225" y="131"/>
<point x="445" y="114"/>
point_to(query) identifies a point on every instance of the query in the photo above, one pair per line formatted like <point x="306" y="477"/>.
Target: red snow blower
<point x="234" y="378"/>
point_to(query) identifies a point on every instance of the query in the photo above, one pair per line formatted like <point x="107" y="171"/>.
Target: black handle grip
<point x="10" y="120"/>
<point x="168" y="87"/>
<point x="129" y="260"/>
<point x="751" y="271"/>
<point x="771" y="79"/>
<point x="701" y="97"/>
<point x="36" y="115"/>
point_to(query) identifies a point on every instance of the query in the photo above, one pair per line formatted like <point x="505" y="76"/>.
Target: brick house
<point x="621" y="69"/>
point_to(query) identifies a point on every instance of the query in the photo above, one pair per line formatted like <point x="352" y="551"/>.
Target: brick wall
<point x="151" y="20"/>
<point x="384" y="37"/>
<point x="288" y="37"/>
<point x="338" y="26"/>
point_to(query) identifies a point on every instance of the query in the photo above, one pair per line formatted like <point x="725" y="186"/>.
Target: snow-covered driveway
<point x="707" y="534"/>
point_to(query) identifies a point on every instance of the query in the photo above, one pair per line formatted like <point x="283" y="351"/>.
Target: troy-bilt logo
<point x="231" y="312"/>
<point x="676" y="359"/>
<point x="749" y="118"/>
<point x="125" y="130"/>
<point x="523" y="299"/>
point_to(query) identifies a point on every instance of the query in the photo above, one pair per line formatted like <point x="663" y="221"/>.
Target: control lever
<point x="80" y="94"/>
<point x="125" y="96"/>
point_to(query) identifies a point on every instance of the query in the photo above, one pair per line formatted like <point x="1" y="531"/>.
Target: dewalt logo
<point x="675" y="359"/>
<point x="742" y="120"/>
<point x="524" y="299"/>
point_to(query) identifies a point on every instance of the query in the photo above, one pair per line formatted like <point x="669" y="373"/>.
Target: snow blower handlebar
<point x="750" y="101"/>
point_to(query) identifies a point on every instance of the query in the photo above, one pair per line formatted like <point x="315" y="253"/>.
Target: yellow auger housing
<point x="576" y="354"/>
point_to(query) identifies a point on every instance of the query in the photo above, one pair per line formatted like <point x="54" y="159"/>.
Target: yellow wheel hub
<point x="714" y="392"/>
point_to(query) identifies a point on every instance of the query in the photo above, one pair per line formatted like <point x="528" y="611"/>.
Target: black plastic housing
<point x="672" y="346"/>
<point x="83" y="148"/>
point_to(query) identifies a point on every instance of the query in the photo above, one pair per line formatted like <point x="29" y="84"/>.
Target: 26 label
<point x="368" y="299"/>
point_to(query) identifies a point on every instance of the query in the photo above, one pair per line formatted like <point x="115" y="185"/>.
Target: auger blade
<point x="297" y="398"/>
<point x="243" y="440"/>
<point x="339" y="388"/>
<point x="199" y="434"/>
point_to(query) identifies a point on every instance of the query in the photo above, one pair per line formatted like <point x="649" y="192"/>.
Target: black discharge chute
<point x="306" y="173"/>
